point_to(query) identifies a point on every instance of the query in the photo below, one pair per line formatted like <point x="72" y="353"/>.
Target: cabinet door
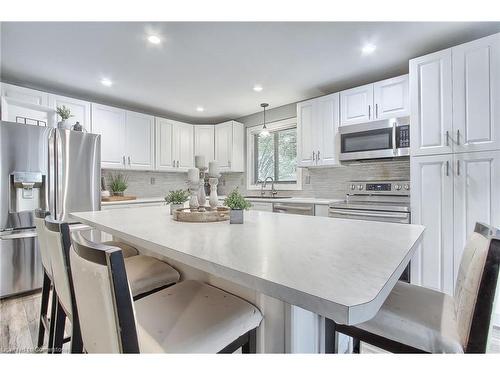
<point x="224" y="145"/>
<point x="357" y="105"/>
<point x="476" y="95"/>
<point x="328" y="140"/>
<point x="110" y="122"/>
<point x="183" y="141"/>
<point x="25" y="95"/>
<point x="204" y="141"/>
<point x="391" y="98"/>
<point x="164" y="144"/>
<point x="431" y="104"/>
<point x="80" y="110"/>
<point x="477" y="196"/>
<point x="306" y="134"/>
<point x="139" y="145"/>
<point x="432" y="206"/>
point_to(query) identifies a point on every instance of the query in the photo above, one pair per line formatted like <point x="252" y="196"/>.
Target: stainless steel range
<point x="387" y="201"/>
<point x="375" y="200"/>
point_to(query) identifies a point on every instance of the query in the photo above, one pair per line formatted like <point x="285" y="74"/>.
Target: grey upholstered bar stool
<point x="188" y="317"/>
<point x="415" y="319"/>
<point x="150" y="275"/>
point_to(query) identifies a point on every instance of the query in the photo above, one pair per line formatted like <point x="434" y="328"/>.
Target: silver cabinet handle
<point x="123" y="158"/>
<point x="317" y="159"/>
<point x="458" y="136"/>
<point x="369" y="112"/>
<point x="294" y="208"/>
<point x="394" y="126"/>
<point x="229" y="163"/>
<point x="376" y="110"/>
<point x="447" y="168"/>
<point x="458" y="167"/>
<point x="447" y="138"/>
<point x="173" y="163"/>
<point x="314" y="156"/>
<point x="177" y="163"/>
<point x="129" y="160"/>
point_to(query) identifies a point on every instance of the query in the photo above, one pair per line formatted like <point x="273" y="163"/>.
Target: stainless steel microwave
<point x="374" y="140"/>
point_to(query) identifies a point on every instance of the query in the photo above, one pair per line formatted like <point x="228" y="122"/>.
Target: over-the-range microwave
<point x="374" y="140"/>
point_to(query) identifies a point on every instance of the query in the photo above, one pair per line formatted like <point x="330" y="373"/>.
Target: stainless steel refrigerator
<point x="40" y="167"/>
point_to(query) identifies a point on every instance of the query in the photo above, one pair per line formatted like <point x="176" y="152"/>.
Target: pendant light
<point x="264" y="132"/>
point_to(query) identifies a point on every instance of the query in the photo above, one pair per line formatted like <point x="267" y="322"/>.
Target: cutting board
<point x="115" y="198"/>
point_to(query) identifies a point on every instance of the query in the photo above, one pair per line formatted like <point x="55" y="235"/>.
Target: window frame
<point x="251" y="148"/>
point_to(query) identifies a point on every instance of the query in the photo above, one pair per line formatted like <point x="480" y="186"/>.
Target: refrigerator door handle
<point x="14" y="235"/>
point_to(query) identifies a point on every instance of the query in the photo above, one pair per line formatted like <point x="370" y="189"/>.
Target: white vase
<point x="213" y="200"/>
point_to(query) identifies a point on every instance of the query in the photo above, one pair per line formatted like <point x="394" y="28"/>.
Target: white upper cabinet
<point x="80" y="110"/>
<point x="25" y="95"/>
<point x="357" y="105"/>
<point x="391" y="98"/>
<point x="476" y="196"/>
<point x="306" y="134"/>
<point x="229" y="146"/>
<point x="182" y="146"/>
<point x="432" y="206"/>
<point x="431" y="104"/>
<point x="204" y="141"/>
<point x="376" y="101"/>
<point x="139" y="141"/>
<point x="317" y="131"/>
<point x="110" y="122"/>
<point x="476" y="95"/>
<point x="164" y="151"/>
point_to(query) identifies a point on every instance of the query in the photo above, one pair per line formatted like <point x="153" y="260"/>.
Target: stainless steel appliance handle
<point x="376" y="110"/>
<point x="14" y="235"/>
<point x="369" y="214"/>
<point x="369" y="111"/>
<point x="447" y="138"/>
<point x="458" y="136"/>
<point x="279" y="207"/>
<point x="394" y="129"/>
<point x="447" y="168"/>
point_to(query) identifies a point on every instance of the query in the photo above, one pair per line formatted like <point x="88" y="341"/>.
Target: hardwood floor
<point x="19" y="327"/>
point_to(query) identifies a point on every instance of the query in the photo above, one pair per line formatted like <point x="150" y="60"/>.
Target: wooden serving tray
<point x="209" y="216"/>
<point x="116" y="198"/>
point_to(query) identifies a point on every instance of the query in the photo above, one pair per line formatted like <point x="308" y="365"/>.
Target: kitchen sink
<point x="265" y="197"/>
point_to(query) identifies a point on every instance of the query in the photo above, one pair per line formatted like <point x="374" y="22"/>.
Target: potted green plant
<point x="64" y="113"/>
<point x="118" y="184"/>
<point x="237" y="203"/>
<point x="176" y="199"/>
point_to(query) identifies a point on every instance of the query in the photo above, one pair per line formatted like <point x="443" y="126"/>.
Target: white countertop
<point x="134" y="201"/>
<point x="341" y="269"/>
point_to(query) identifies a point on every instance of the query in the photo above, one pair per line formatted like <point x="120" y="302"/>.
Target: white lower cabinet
<point x="450" y="193"/>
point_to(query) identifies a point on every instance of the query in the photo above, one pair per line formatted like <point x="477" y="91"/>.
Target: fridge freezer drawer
<point x="20" y="265"/>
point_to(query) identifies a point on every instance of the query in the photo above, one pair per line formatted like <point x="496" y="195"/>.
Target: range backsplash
<point x="317" y="183"/>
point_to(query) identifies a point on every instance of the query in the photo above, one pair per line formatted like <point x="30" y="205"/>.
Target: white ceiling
<point x="215" y="65"/>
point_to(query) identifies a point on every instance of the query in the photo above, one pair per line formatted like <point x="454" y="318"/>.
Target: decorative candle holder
<point x="193" y="200"/>
<point x="202" y="197"/>
<point x="214" y="200"/>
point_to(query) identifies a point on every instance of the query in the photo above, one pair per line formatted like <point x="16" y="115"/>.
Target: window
<point x="275" y="156"/>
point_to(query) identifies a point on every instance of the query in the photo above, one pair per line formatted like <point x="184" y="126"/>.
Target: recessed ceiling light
<point x="107" y="82"/>
<point x="368" y="48"/>
<point x="154" y="39"/>
<point x="257" y="88"/>
<point x="200" y="109"/>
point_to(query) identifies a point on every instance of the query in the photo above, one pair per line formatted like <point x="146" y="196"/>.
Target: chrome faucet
<point x="264" y="183"/>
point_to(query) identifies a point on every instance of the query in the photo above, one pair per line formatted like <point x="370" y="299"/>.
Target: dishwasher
<point x="294" y="208"/>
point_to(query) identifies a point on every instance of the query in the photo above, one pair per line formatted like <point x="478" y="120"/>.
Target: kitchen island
<point x="337" y="268"/>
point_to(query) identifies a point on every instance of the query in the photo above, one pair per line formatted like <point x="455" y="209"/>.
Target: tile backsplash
<point x="318" y="183"/>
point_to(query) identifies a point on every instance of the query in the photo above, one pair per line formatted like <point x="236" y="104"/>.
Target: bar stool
<point x="44" y="322"/>
<point x="58" y="242"/>
<point x="415" y="319"/>
<point x="188" y="317"/>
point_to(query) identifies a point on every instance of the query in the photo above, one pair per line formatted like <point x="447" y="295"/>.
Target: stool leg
<point x="356" y="345"/>
<point x="43" y="309"/>
<point x="250" y="347"/>
<point x="331" y="337"/>
<point x="60" y="322"/>
<point x="53" y="307"/>
<point x="76" y="337"/>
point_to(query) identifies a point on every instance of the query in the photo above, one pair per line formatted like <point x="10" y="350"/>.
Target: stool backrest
<point x="42" y="240"/>
<point x="58" y="244"/>
<point x="103" y="297"/>
<point x="475" y="287"/>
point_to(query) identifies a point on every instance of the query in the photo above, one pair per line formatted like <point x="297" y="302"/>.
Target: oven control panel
<point x="379" y="187"/>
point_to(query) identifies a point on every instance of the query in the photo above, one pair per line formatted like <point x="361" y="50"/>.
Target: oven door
<point x="371" y="215"/>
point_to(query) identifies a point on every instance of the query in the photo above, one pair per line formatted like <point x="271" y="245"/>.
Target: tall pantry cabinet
<point x="455" y="153"/>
